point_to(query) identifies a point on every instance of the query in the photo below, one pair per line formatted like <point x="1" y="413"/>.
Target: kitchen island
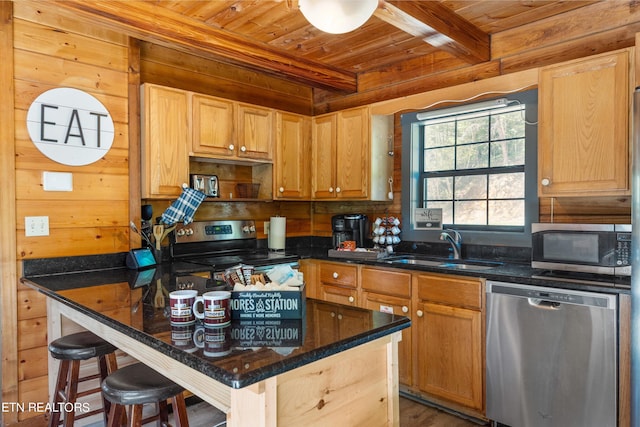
<point x="337" y="365"/>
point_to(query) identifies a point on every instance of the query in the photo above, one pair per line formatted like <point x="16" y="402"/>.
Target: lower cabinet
<point x="338" y="283"/>
<point x="449" y="336"/>
<point x="390" y="291"/>
<point x="441" y="356"/>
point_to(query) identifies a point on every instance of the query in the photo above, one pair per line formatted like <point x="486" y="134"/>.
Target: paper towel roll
<point x="277" y="233"/>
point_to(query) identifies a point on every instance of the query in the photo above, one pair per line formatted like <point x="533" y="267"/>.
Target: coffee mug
<point x="181" y="305"/>
<point x="217" y="341"/>
<point x="182" y="337"/>
<point x="348" y="245"/>
<point x="216" y="308"/>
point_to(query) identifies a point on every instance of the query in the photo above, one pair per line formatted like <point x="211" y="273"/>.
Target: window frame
<point x="412" y="151"/>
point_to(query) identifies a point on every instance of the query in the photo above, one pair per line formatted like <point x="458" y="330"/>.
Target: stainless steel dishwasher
<point x="551" y="357"/>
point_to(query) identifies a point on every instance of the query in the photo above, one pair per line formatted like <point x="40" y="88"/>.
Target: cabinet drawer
<point x="389" y="282"/>
<point x="457" y="291"/>
<point x="346" y="296"/>
<point x="339" y="274"/>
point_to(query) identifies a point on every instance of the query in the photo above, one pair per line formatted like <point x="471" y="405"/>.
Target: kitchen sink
<point x="457" y="264"/>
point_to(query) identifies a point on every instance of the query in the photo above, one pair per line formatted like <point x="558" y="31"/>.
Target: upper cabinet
<point x="584" y="110"/>
<point x="292" y="163"/>
<point x="231" y="130"/>
<point x="165" y="141"/>
<point x="212" y="126"/>
<point x="349" y="160"/>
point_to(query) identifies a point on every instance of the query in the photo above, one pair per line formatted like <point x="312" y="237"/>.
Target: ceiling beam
<point x="145" y="21"/>
<point x="439" y="26"/>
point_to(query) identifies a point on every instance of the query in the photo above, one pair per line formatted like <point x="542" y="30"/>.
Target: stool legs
<point x="118" y="413"/>
<point x="66" y="392"/>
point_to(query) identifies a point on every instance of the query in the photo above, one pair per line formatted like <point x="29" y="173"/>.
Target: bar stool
<point x="136" y="385"/>
<point x="71" y="350"/>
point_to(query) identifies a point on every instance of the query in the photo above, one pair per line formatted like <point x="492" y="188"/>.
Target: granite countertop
<point x="243" y="353"/>
<point x="513" y="272"/>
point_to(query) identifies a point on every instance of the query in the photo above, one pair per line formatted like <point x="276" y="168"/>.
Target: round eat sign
<point x="70" y="126"/>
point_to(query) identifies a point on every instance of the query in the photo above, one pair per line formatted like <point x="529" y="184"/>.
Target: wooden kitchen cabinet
<point x="165" y="141"/>
<point x="338" y="282"/>
<point x="584" y="110"/>
<point x="212" y="127"/>
<point x="255" y="127"/>
<point x="338" y="323"/>
<point x="230" y="130"/>
<point x="292" y="165"/>
<point x="389" y="291"/>
<point x="343" y="163"/>
<point x="449" y="339"/>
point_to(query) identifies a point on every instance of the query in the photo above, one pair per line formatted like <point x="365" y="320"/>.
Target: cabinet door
<point x="212" y="126"/>
<point x="583" y="128"/>
<point x="449" y="352"/>
<point x="323" y="156"/>
<point x="293" y="157"/>
<point x="165" y="141"/>
<point x="399" y="306"/>
<point x="255" y="128"/>
<point x="352" y="154"/>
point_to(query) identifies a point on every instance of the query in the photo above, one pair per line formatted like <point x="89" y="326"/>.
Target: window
<point x="478" y="164"/>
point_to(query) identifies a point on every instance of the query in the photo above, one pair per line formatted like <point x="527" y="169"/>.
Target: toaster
<point x="208" y="184"/>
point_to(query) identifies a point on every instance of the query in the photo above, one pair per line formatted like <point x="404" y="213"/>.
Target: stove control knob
<point x="189" y="231"/>
<point x="246" y="229"/>
<point x="181" y="232"/>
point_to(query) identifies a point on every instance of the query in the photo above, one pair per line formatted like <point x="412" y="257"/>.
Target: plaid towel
<point x="184" y="208"/>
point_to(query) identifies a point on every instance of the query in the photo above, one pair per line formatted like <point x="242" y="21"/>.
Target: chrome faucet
<point x="455" y="239"/>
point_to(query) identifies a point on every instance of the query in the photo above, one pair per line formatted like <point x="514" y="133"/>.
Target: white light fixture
<point x="337" y="16"/>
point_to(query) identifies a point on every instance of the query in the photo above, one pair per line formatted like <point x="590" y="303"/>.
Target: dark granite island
<point x="336" y="366"/>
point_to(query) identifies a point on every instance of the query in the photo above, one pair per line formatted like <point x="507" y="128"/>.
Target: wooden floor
<point x="412" y="414"/>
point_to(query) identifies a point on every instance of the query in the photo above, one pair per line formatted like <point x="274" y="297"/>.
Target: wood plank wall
<point x="53" y="50"/>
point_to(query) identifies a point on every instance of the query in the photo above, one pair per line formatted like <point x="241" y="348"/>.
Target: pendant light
<point x="337" y="16"/>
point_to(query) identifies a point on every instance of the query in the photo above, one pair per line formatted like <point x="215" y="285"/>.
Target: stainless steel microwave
<point x="587" y="248"/>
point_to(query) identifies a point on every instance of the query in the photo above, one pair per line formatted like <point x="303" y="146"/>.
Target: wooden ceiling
<point x="274" y="36"/>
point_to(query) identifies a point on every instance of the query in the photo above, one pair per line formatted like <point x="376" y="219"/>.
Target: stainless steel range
<point x="214" y="246"/>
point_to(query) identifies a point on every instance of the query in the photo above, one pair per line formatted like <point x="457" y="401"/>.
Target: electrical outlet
<point x="266" y="227"/>
<point x="36" y="226"/>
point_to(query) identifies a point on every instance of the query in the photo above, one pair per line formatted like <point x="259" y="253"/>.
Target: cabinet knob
<point x="420" y="313"/>
<point x="281" y="189"/>
<point x="330" y="189"/>
<point x="337" y="189"/>
<point x="243" y="148"/>
<point x="339" y="316"/>
<point x="232" y="147"/>
<point x="545" y="182"/>
<point x="351" y="299"/>
<point x="405" y="309"/>
<point x="333" y="314"/>
<point x="335" y="274"/>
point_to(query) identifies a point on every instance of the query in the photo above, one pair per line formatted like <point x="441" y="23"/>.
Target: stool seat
<point x="80" y="346"/>
<point x="138" y="384"/>
<point x="72" y="350"/>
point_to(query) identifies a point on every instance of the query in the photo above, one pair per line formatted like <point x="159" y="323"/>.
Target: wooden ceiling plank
<point x="141" y="19"/>
<point x="438" y="26"/>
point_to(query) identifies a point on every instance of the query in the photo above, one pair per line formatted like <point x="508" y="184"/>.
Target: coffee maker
<point x="349" y="227"/>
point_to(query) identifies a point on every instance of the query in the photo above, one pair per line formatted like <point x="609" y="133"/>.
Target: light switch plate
<point x="266" y="227"/>
<point x="36" y="226"/>
<point x="57" y="181"/>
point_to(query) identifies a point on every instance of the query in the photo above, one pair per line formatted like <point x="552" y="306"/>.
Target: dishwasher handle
<point x="544" y="304"/>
